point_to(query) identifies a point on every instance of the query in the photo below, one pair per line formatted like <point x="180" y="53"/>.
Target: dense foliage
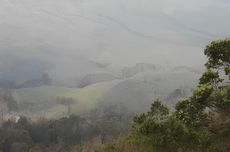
<point x="71" y="130"/>
<point x="68" y="133"/>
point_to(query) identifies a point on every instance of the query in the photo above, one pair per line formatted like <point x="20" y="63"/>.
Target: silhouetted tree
<point x="67" y="102"/>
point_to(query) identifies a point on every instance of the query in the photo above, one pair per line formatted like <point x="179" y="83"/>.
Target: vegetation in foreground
<point x="73" y="133"/>
<point x="199" y="123"/>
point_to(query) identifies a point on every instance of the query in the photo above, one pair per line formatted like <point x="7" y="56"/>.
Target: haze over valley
<point x="85" y="57"/>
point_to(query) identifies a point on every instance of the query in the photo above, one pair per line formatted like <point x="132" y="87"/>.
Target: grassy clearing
<point x="44" y="99"/>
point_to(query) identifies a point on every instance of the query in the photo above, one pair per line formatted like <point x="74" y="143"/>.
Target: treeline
<point x="71" y="133"/>
<point x="23" y="135"/>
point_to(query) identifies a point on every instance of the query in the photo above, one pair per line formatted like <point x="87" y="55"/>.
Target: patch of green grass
<point x="44" y="99"/>
<point x="86" y="97"/>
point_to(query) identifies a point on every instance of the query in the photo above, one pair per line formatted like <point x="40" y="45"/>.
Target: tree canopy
<point x="218" y="53"/>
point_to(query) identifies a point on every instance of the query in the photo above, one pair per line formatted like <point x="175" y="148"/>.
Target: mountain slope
<point x="66" y="37"/>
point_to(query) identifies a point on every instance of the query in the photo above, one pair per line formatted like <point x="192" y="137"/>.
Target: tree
<point x="110" y="129"/>
<point x="209" y="94"/>
<point x="3" y="109"/>
<point x="207" y="112"/>
<point x="158" y="111"/>
<point x="191" y="110"/>
<point x="218" y="53"/>
<point x="210" y="77"/>
<point x="67" y="102"/>
<point x="6" y="96"/>
<point x="156" y="131"/>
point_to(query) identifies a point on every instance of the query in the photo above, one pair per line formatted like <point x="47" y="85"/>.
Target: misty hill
<point x="135" y="93"/>
<point x="44" y="80"/>
<point x="71" y="39"/>
<point x="128" y="72"/>
<point x="94" y="78"/>
<point x="140" y="90"/>
<point x="185" y="68"/>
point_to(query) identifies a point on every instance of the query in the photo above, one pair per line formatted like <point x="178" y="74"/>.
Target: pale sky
<point x="208" y="16"/>
<point x="170" y="6"/>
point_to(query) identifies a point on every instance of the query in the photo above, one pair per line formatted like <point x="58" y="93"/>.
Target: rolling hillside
<point x="69" y="39"/>
<point x="135" y="93"/>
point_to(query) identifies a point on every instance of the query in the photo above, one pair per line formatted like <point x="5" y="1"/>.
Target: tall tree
<point x="218" y="53"/>
<point x="67" y="102"/>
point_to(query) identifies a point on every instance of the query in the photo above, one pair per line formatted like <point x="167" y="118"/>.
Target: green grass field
<point x="44" y="99"/>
